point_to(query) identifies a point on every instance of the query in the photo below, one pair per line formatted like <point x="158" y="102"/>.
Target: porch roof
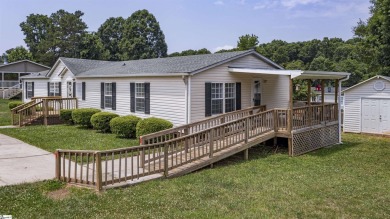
<point x="295" y="74"/>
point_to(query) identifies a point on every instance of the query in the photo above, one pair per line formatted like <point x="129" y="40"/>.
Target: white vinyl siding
<point x="274" y="91"/>
<point x="40" y="89"/>
<point x="167" y="97"/>
<point x="353" y="103"/>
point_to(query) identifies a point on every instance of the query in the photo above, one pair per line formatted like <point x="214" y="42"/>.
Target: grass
<point x="345" y="181"/>
<point x="55" y="137"/>
<point x="5" y="113"/>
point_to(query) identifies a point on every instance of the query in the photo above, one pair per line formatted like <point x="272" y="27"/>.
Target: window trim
<point x="106" y="94"/>
<point x="56" y="85"/>
<point x="137" y="97"/>
<point x="223" y="96"/>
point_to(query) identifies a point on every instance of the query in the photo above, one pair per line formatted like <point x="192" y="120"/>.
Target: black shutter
<point x="74" y="89"/>
<point x="32" y="87"/>
<point x="48" y="89"/>
<point x="26" y="90"/>
<point x="132" y="97"/>
<point x="238" y="95"/>
<point x="208" y="99"/>
<point x="102" y="95"/>
<point x="83" y="90"/>
<point x="59" y="89"/>
<point x="113" y="96"/>
<point x="147" y="98"/>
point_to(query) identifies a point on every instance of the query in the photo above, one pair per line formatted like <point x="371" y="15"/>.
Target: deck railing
<point x="41" y="110"/>
<point x="199" y="126"/>
<point x="307" y="116"/>
<point x="107" y="168"/>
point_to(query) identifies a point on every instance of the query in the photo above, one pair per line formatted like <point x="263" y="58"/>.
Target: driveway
<point x="21" y="162"/>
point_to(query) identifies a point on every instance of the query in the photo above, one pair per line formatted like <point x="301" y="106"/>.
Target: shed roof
<point x="168" y="66"/>
<point x="363" y="82"/>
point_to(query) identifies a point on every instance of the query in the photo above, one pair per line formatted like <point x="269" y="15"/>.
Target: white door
<point x="256" y="92"/>
<point x="376" y="116"/>
<point x="385" y="116"/>
<point x="69" y="88"/>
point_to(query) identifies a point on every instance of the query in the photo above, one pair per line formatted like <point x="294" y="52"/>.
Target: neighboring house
<point x="11" y="73"/>
<point x="367" y="106"/>
<point x="329" y="95"/>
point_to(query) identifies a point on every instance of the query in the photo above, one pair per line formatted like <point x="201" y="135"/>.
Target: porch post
<point x="336" y="90"/>
<point x="290" y="118"/>
<point x="309" y="101"/>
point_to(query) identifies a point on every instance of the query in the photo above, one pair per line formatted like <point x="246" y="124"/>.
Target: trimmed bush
<point x="101" y="121"/>
<point x="66" y="116"/>
<point x="83" y="116"/>
<point x="124" y="126"/>
<point x="14" y="104"/>
<point x="151" y="125"/>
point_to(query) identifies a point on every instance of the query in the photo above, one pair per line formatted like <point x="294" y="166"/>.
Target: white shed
<point x="367" y="106"/>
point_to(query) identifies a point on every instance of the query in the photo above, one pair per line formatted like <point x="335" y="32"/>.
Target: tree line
<point x="140" y="36"/>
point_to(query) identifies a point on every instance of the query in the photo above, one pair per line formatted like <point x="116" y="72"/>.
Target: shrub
<point x="66" y="116"/>
<point x="124" y="126"/>
<point x="83" y="116"/>
<point x="14" y="104"/>
<point x="151" y="125"/>
<point x="101" y="121"/>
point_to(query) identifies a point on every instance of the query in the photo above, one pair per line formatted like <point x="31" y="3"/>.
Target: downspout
<point x="339" y="106"/>
<point x="189" y="99"/>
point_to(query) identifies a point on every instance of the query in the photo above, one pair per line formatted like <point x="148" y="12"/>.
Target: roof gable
<point x="24" y="65"/>
<point x="363" y="82"/>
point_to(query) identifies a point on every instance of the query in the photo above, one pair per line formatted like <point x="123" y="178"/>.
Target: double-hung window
<point x="29" y="90"/>
<point x="108" y="95"/>
<point x="139" y="97"/>
<point x="223" y="98"/>
<point x="54" y="89"/>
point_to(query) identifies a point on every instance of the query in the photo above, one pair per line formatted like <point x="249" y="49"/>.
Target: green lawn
<point x="5" y="113"/>
<point x="346" y="181"/>
<point x="55" y="137"/>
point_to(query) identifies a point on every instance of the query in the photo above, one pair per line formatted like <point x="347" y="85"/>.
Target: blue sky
<point x="212" y="24"/>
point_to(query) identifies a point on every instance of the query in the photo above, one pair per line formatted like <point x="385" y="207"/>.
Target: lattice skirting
<point x="313" y="139"/>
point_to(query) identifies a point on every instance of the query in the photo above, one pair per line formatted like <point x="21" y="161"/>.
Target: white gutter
<point x="135" y="75"/>
<point x="339" y="106"/>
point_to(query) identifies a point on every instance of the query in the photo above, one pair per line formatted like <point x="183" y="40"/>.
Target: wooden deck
<point x="184" y="149"/>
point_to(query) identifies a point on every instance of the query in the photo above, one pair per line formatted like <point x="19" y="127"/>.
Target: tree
<point x="190" y="52"/>
<point x="19" y="53"/>
<point x="48" y="38"/>
<point x="111" y="34"/>
<point x="247" y="41"/>
<point x="142" y="37"/>
<point x="91" y="47"/>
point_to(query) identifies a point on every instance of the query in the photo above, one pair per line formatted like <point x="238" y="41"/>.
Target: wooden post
<point x="142" y="158"/>
<point x="58" y="165"/>
<point x="99" y="184"/>
<point x="211" y="139"/>
<point x="246" y="154"/>
<point x="336" y="91"/>
<point x="247" y="121"/>
<point x="290" y="146"/>
<point x="309" y="114"/>
<point x="45" y="111"/>
<point x="186" y="141"/>
<point x="166" y="160"/>
<point x="276" y="124"/>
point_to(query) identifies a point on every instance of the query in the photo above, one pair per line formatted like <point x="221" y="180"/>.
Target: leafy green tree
<point x="142" y="37"/>
<point x="91" y="47"/>
<point x="48" y="38"/>
<point x="190" y="52"/>
<point x="247" y="41"/>
<point x="19" y="53"/>
<point x="321" y="64"/>
<point x="111" y="34"/>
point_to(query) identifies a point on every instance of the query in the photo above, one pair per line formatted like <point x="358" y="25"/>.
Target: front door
<point x="69" y="88"/>
<point x="256" y="92"/>
<point x="376" y="116"/>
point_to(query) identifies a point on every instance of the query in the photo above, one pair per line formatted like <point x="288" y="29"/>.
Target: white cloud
<point x="219" y="2"/>
<point x="294" y="3"/>
<point x="332" y="9"/>
<point x="222" y="47"/>
<point x="265" y="5"/>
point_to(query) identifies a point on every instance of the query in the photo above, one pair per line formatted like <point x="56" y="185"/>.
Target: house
<point x="367" y="106"/>
<point x="329" y="95"/>
<point x="188" y="89"/>
<point x="10" y="74"/>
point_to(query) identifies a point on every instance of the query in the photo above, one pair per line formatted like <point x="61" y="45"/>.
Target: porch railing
<point x="307" y="116"/>
<point x="12" y="91"/>
<point x="41" y="110"/>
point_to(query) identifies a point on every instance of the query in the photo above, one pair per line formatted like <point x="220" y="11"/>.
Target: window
<point x="54" y="89"/>
<point x="140" y="97"/>
<point x="108" y="95"/>
<point x="222" y="98"/>
<point x="216" y="98"/>
<point x="230" y="97"/>
<point x="29" y="90"/>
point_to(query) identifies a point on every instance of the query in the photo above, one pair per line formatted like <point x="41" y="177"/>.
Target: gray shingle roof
<point x="41" y="74"/>
<point x="181" y="64"/>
